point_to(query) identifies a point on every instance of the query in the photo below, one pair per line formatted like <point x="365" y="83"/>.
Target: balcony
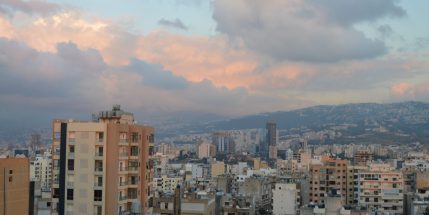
<point x="98" y="185"/>
<point x="72" y="141"/>
<point x="133" y="169"/>
<point x="123" y="199"/>
<point x="99" y="155"/>
<point x="123" y="170"/>
<point x="98" y="170"/>
<point x="134" y="156"/>
<point x="123" y="142"/>
<point x="100" y="141"/>
<point x="133" y="184"/>
<point x="70" y="184"/>
<point x="123" y="155"/>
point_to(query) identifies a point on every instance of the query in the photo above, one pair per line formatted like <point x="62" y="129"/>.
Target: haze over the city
<point x="68" y="58"/>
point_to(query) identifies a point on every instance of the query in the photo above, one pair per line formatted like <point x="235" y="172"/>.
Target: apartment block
<point x="217" y="168"/>
<point x="286" y="199"/>
<point x="41" y="170"/>
<point x="351" y="172"/>
<point x="206" y="150"/>
<point x="100" y="166"/>
<point x="331" y="174"/>
<point x="14" y="186"/>
<point x="381" y="189"/>
<point x="167" y="184"/>
<point x="224" y="142"/>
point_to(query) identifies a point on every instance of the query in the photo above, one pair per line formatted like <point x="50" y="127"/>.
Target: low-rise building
<point x="286" y="199"/>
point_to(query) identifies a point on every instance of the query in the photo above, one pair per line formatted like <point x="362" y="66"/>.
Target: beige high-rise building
<point x="328" y="176"/>
<point x="206" y="150"/>
<point x="380" y="188"/>
<point x="100" y="166"/>
<point x="14" y="186"/>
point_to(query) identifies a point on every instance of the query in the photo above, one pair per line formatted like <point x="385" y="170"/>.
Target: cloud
<point x="155" y="75"/>
<point x="199" y="57"/>
<point x="177" y="23"/>
<point x="75" y="79"/>
<point x="307" y="31"/>
<point x="400" y="88"/>
<point x="408" y="91"/>
<point x="352" y="12"/>
<point x="115" y="44"/>
<point x="32" y="7"/>
<point x="265" y="58"/>
<point x="385" y="30"/>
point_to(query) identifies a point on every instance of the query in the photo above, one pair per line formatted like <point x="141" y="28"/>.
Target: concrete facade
<point x="100" y="167"/>
<point x="286" y="199"/>
<point x="14" y="186"/>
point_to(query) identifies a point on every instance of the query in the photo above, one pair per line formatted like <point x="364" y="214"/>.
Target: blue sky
<point x="197" y="15"/>
<point x="145" y="14"/>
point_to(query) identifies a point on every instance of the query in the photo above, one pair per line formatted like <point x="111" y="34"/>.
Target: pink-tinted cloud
<point x="199" y="57"/>
<point x="409" y="91"/>
<point x="6" y="28"/>
<point x="400" y="88"/>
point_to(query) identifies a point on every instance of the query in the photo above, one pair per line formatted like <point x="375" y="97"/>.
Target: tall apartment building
<point x="41" y="170"/>
<point x="100" y="166"/>
<point x="380" y="189"/>
<point x="224" y="142"/>
<point x="14" y="186"/>
<point x="269" y="146"/>
<point x="206" y="150"/>
<point x="330" y="175"/>
<point x="351" y="172"/>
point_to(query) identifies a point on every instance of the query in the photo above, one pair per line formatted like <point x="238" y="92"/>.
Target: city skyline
<point x="231" y="58"/>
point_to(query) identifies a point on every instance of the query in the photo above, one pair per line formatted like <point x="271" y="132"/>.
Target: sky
<point x="69" y="58"/>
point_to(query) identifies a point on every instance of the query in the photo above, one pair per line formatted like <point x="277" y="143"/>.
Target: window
<point x="100" y="136"/>
<point x="123" y="137"/>
<point x="70" y="164"/>
<point x="98" y="166"/>
<point x="98" y="210"/>
<point x="56" y="193"/>
<point x="71" y="149"/>
<point x="366" y="199"/>
<point x="10" y="171"/>
<point x="99" y="151"/>
<point x="69" y="194"/>
<point x="151" y="138"/>
<point x="98" y="195"/>
<point x="166" y="205"/>
<point x="134" y="151"/>
<point x="134" y="137"/>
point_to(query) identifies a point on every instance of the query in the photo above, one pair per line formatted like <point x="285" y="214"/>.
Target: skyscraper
<point x="224" y="142"/>
<point x="268" y="147"/>
<point x="100" y="166"/>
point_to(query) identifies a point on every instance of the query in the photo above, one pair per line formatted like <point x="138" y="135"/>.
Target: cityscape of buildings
<point x="112" y="165"/>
